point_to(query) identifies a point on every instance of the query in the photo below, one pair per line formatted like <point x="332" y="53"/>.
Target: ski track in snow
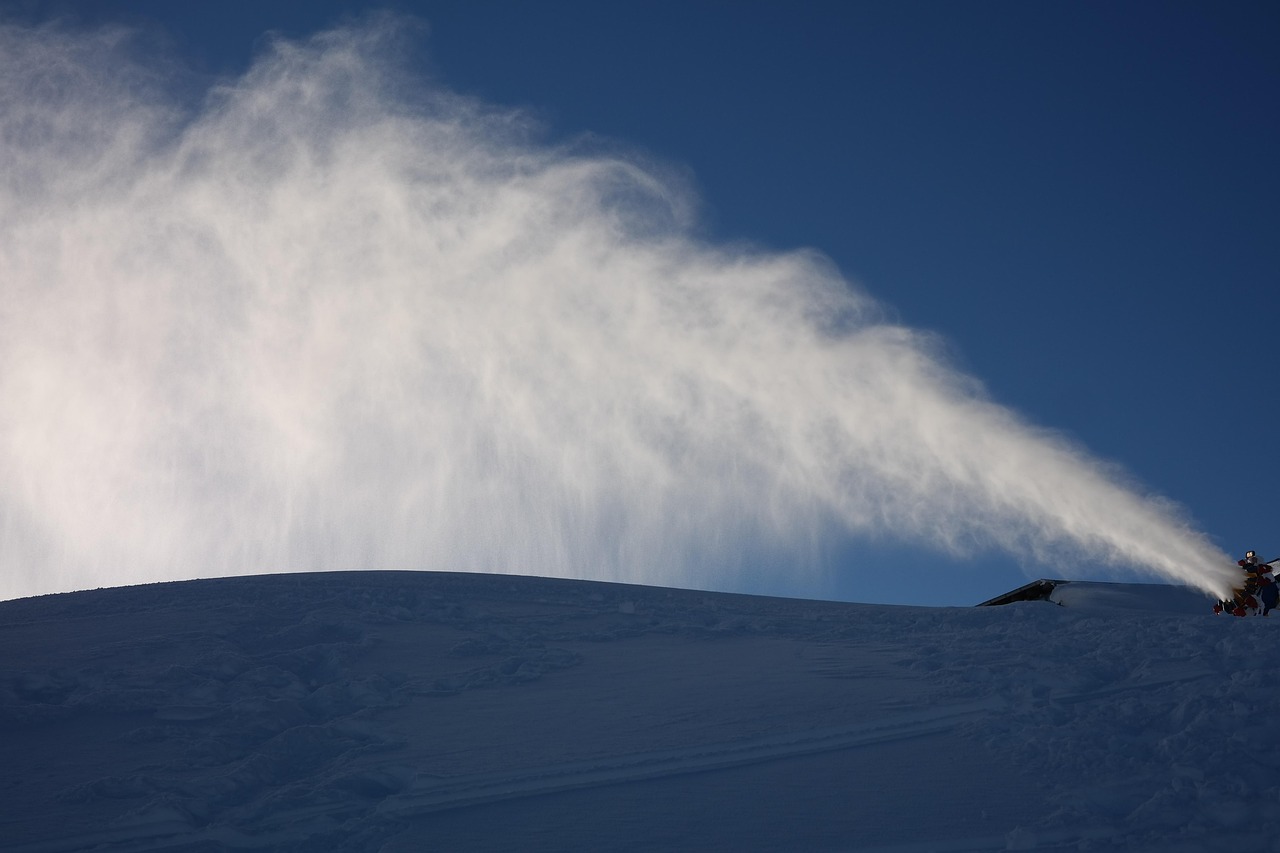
<point x="467" y="791"/>
<point x="355" y="711"/>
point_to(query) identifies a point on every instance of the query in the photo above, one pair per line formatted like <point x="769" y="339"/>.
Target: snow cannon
<point x="1257" y="594"/>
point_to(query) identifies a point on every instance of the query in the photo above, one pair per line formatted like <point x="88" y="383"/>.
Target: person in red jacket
<point x="1263" y="580"/>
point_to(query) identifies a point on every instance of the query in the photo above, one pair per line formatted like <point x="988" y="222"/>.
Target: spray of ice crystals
<point x="337" y="317"/>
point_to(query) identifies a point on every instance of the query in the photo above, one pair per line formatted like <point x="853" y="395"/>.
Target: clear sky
<point x="1080" y="198"/>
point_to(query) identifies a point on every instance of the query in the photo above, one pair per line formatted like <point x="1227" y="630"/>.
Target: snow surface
<point x="404" y="711"/>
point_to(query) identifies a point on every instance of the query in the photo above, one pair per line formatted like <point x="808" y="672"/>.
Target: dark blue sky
<point x="1080" y="197"/>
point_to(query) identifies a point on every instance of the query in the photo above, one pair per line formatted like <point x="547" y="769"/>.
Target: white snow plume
<point x="336" y="317"/>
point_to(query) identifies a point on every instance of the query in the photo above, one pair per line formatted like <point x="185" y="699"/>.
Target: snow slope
<point x="422" y="711"/>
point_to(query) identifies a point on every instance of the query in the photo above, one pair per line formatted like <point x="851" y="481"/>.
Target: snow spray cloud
<point x="337" y="317"/>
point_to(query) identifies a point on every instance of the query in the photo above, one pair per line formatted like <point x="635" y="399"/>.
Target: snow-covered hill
<point x="422" y="711"/>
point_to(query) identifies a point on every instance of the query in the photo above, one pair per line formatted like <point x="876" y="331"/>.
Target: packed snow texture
<point x="414" y="711"/>
<point x="327" y="315"/>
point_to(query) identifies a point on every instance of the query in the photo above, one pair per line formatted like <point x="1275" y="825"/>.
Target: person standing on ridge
<point x="1264" y="580"/>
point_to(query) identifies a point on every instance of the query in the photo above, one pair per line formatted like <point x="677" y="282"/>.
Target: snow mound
<point x="1151" y="598"/>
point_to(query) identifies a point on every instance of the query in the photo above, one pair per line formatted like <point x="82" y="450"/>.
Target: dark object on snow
<point x="1035" y="591"/>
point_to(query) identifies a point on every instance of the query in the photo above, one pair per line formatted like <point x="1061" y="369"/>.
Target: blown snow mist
<point x="337" y="317"/>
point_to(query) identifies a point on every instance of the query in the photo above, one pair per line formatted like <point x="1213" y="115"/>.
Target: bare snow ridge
<point x="408" y="711"/>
